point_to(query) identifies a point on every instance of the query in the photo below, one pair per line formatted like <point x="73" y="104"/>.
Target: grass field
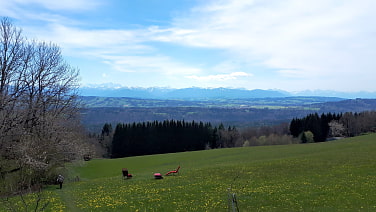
<point x="332" y="176"/>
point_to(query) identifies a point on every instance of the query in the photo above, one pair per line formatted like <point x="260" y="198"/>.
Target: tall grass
<point x="331" y="176"/>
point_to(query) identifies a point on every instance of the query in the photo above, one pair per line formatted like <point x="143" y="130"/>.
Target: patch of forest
<point x="161" y="137"/>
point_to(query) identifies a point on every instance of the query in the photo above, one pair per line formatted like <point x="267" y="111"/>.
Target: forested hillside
<point x="94" y="118"/>
<point x="275" y="102"/>
<point x="257" y="112"/>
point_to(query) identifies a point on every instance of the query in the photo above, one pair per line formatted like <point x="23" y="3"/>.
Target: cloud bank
<point x="291" y="45"/>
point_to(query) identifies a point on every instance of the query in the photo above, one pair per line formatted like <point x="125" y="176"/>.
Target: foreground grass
<point x="332" y="176"/>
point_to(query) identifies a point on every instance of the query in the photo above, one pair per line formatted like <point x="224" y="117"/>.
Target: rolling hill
<point x="331" y="176"/>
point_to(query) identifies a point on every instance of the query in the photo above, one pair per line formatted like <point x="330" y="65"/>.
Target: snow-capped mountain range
<point x="114" y="90"/>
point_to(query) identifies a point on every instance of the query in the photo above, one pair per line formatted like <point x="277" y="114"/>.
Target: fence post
<point x="232" y="202"/>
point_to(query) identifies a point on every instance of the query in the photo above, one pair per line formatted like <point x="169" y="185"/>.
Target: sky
<point x="291" y="45"/>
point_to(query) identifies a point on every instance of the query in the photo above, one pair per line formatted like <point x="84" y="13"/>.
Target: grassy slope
<point x="332" y="176"/>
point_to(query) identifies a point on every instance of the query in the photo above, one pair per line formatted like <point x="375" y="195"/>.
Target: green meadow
<point x="331" y="176"/>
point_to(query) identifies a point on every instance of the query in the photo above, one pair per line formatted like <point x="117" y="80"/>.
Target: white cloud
<point x="94" y="43"/>
<point x="46" y="10"/>
<point x="59" y="5"/>
<point x="122" y="50"/>
<point x="220" y="77"/>
<point x="296" y="41"/>
<point x="90" y="38"/>
<point x="149" y="64"/>
<point x="316" y="38"/>
<point x="290" y="73"/>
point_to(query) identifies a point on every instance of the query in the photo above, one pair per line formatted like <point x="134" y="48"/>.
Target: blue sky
<point x="291" y="45"/>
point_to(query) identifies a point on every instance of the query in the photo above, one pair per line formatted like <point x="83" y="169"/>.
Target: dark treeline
<point x="165" y="137"/>
<point x="333" y="125"/>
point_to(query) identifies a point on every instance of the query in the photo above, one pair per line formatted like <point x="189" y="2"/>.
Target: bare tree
<point x="336" y="129"/>
<point x="12" y="65"/>
<point x="39" y="123"/>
